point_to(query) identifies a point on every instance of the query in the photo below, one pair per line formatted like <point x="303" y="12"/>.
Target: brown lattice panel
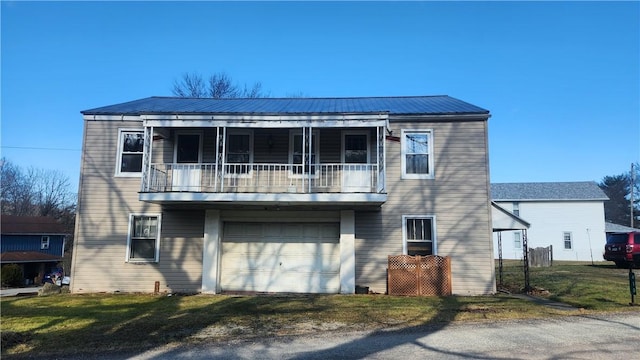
<point x="419" y="275"/>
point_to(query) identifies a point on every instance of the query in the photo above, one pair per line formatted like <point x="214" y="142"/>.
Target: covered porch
<point x="265" y="159"/>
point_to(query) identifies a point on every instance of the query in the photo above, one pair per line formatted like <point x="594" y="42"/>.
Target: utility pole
<point x="633" y="180"/>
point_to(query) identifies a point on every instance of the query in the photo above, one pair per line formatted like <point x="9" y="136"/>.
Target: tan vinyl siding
<point x="457" y="196"/>
<point x="104" y="204"/>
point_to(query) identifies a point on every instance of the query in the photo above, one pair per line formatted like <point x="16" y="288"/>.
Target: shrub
<point x="12" y="275"/>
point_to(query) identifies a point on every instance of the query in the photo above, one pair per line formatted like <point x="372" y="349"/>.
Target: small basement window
<point x="419" y="235"/>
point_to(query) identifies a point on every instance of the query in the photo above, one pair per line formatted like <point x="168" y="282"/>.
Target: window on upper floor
<point x="417" y="154"/>
<point x="299" y="153"/>
<point x="130" y="150"/>
<point x="568" y="240"/>
<point x="44" y="243"/>
<point x="516" y="209"/>
<point x="239" y="152"/>
<point x="419" y="235"/>
<point x="144" y="238"/>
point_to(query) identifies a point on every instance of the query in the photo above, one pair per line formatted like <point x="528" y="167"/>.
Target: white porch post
<point x="146" y="159"/>
<point x="310" y="153"/>
<point x="347" y="252"/>
<point x="211" y="252"/>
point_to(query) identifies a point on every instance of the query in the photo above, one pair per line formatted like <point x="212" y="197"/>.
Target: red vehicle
<point x="623" y="249"/>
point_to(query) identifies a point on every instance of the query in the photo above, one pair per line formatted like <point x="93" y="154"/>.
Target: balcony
<point x="287" y="160"/>
<point x="265" y="183"/>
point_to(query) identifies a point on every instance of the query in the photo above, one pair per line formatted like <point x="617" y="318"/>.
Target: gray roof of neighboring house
<point x="612" y="228"/>
<point x="431" y="105"/>
<point x="540" y="191"/>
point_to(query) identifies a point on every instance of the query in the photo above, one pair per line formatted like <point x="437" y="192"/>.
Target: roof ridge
<point x="300" y="98"/>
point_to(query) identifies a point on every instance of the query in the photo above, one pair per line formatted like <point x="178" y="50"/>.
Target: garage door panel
<point x="273" y="282"/>
<point x="281" y="257"/>
<point x="269" y="256"/>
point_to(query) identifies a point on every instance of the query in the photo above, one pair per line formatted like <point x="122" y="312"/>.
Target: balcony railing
<point x="264" y="178"/>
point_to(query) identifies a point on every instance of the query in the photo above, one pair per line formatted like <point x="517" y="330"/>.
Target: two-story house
<point x="568" y="216"/>
<point x="35" y="243"/>
<point x="303" y="195"/>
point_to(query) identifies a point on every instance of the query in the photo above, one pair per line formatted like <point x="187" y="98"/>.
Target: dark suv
<point x="623" y="249"/>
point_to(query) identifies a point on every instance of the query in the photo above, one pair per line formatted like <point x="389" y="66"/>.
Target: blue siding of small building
<point x="32" y="243"/>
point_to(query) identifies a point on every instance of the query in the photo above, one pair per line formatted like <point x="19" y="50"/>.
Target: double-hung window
<point x="130" y="150"/>
<point x="144" y="238"/>
<point x="419" y="235"/>
<point x="517" y="240"/>
<point x="302" y="162"/>
<point x="568" y="243"/>
<point x="239" y="152"/>
<point x="417" y="154"/>
<point x="516" y="209"/>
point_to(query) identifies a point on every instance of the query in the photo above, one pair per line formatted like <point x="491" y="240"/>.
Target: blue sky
<point x="561" y="79"/>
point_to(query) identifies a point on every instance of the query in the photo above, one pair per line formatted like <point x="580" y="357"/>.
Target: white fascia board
<point x="267" y="121"/>
<point x="439" y="117"/>
<point x="268" y="198"/>
<point x="112" y="117"/>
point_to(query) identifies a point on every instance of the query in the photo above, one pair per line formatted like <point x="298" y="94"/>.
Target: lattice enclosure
<point x="419" y="275"/>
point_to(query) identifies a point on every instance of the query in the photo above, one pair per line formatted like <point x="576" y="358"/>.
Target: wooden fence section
<point x="541" y="256"/>
<point x="419" y="275"/>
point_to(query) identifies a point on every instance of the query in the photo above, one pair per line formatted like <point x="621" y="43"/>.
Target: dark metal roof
<point x="12" y="224"/>
<point x="431" y="105"/>
<point x="585" y="190"/>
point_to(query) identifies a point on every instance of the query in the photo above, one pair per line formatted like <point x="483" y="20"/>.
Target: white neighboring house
<point x="567" y="215"/>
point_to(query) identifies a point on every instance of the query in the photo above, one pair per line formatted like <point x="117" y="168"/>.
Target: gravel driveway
<point x="573" y="337"/>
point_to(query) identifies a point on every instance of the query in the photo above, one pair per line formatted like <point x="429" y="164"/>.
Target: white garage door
<point x="281" y="257"/>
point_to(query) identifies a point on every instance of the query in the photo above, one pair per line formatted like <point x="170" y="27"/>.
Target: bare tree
<point x="51" y="188"/>
<point x="15" y="190"/>
<point x="190" y="85"/>
<point x="34" y="192"/>
<point x="297" y="94"/>
<point x="218" y="86"/>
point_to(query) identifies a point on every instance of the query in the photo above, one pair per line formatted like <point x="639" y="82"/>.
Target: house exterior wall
<point x="33" y="243"/>
<point x="458" y="196"/>
<point x="550" y="220"/>
<point x="104" y="204"/>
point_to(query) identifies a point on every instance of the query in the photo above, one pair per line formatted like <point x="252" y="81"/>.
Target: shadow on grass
<point x="137" y="323"/>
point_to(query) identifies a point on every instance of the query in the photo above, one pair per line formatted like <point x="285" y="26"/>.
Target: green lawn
<point x="62" y="324"/>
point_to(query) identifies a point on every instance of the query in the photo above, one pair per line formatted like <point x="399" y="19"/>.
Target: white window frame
<point x="249" y="173"/>
<point x="45" y="242"/>
<point x="157" y="243"/>
<point x="564" y="240"/>
<point x="517" y="240"/>
<point x="434" y="245"/>
<point x="120" y="150"/>
<point x="316" y="148"/>
<point x="516" y="208"/>
<point x="430" y="155"/>
<point x="188" y="132"/>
